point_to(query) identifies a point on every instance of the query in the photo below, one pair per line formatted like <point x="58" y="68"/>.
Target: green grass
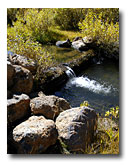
<point x="66" y="34"/>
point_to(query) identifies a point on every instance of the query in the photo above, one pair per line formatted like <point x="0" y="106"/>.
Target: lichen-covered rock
<point x="76" y="128"/>
<point x="48" y="106"/>
<point x="23" y="61"/>
<point x="22" y="81"/>
<point x="17" y="108"/>
<point x="34" y="135"/>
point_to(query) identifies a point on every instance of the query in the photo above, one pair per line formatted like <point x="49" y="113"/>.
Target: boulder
<point x="9" y="94"/>
<point x="51" y="79"/>
<point x="48" y="106"/>
<point x="83" y="44"/>
<point x="17" y="108"/>
<point x="34" y="135"/>
<point x="76" y="128"/>
<point x="22" y="80"/>
<point x="79" y="45"/>
<point x="64" y="44"/>
<point x="23" y="61"/>
<point x="88" y="40"/>
<point x="10" y="74"/>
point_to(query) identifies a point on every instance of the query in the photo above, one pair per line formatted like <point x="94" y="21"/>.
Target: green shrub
<point x="102" y="24"/>
<point x="30" y="28"/>
<point x="11" y="15"/>
<point x="39" y="22"/>
<point x="68" y="18"/>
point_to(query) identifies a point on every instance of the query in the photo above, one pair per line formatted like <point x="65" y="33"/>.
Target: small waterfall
<point x="85" y="82"/>
<point x="70" y="73"/>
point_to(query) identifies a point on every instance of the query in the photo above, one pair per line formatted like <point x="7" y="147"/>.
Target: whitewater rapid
<point x="91" y="85"/>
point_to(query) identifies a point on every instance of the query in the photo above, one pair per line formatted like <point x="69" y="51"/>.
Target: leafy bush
<point x="113" y="112"/>
<point x="106" y="140"/>
<point x="11" y="15"/>
<point x="30" y="28"/>
<point x="39" y="23"/>
<point x="68" y="18"/>
<point x="102" y="24"/>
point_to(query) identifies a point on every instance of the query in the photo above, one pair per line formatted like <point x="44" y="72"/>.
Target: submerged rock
<point x="34" y="135"/>
<point x="17" y="108"/>
<point x="64" y="44"/>
<point x="76" y="128"/>
<point x="48" y="106"/>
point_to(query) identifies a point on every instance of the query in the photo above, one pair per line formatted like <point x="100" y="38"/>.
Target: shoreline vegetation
<point x="28" y="30"/>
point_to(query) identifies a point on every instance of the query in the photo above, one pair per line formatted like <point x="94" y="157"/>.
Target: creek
<point x="98" y="84"/>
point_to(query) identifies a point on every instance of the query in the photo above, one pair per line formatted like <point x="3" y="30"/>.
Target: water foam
<point x="70" y="73"/>
<point x="92" y="85"/>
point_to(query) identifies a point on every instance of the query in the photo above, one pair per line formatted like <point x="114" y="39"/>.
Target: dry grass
<point x="107" y="138"/>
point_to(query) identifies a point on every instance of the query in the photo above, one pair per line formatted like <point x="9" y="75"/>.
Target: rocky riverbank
<point x="38" y="122"/>
<point x="84" y="44"/>
<point x="34" y="122"/>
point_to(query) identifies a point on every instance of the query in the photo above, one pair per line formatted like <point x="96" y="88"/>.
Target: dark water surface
<point x="99" y="85"/>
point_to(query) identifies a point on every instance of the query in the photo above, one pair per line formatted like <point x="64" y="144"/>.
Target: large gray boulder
<point x="48" y="106"/>
<point x="79" y="45"/>
<point x="23" y="61"/>
<point x="64" y="44"/>
<point x="22" y="80"/>
<point x="34" y="135"/>
<point x="83" y="44"/>
<point x="17" y="108"/>
<point x="76" y="128"/>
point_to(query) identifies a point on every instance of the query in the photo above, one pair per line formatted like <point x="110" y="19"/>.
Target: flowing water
<point x="99" y="85"/>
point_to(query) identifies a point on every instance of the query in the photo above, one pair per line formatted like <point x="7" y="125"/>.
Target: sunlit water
<point x="99" y="85"/>
<point x="60" y="55"/>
